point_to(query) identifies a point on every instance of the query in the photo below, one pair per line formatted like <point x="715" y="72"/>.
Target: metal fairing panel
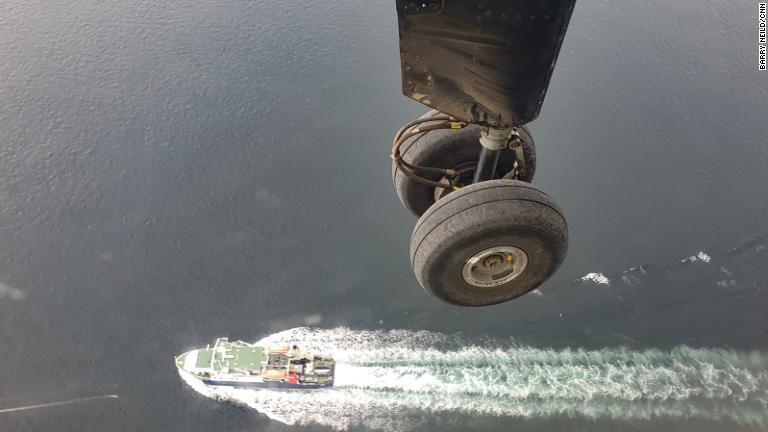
<point x="487" y="62"/>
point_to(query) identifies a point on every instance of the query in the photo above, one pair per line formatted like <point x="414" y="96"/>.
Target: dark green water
<point x="171" y="172"/>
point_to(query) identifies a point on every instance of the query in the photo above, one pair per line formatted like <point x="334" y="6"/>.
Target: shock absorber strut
<point x="493" y="141"/>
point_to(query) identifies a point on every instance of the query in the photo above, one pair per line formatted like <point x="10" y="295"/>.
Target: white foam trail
<point x="700" y="256"/>
<point x="392" y="379"/>
<point x="11" y="292"/>
<point x="597" y="278"/>
<point x="53" y="404"/>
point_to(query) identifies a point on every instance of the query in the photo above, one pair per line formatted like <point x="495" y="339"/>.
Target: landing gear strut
<point x="493" y="141"/>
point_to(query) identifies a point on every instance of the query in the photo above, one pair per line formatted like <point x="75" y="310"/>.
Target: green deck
<point x="235" y="356"/>
<point x="246" y="357"/>
<point x="204" y="358"/>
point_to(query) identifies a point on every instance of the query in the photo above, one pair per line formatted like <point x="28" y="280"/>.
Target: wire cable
<point x="413" y="129"/>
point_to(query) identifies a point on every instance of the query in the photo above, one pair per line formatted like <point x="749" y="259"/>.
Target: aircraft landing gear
<point x="485" y="235"/>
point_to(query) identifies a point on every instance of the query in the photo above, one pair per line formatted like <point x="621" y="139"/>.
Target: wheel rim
<point x="494" y="266"/>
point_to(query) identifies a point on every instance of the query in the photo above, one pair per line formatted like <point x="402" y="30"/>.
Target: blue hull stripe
<point x="266" y="385"/>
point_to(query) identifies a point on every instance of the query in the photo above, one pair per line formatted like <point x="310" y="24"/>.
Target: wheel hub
<point x="490" y="262"/>
<point x="494" y="266"/>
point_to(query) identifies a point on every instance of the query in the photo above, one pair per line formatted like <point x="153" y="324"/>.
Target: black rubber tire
<point x="449" y="149"/>
<point x="481" y="216"/>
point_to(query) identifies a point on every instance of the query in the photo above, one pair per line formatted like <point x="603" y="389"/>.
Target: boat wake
<point x="395" y="380"/>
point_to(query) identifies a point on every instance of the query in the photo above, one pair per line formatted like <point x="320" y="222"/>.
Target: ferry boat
<point x="239" y="364"/>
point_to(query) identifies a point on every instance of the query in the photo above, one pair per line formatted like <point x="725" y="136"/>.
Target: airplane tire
<point x="488" y="243"/>
<point x="449" y="148"/>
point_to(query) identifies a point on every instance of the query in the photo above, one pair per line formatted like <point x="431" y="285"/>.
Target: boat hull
<point x="265" y="385"/>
